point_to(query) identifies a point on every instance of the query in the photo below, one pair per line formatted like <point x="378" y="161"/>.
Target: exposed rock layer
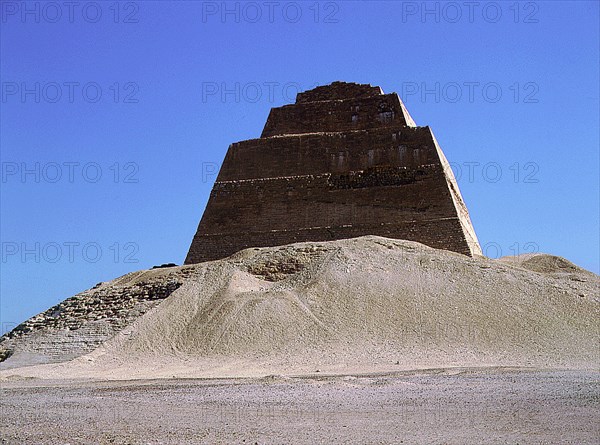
<point x="81" y="323"/>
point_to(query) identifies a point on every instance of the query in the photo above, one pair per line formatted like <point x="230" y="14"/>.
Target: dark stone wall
<point x="338" y="91"/>
<point x="440" y="234"/>
<point x="330" y="152"/>
<point x="318" y="174"/>
<point x="335" y="116"/>
<point x="328" y="199"/>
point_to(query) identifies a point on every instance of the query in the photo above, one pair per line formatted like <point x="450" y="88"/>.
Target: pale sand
<point x="360" y="341"/>
<point x="355" y="306"/>
<point x="442" y="407"/>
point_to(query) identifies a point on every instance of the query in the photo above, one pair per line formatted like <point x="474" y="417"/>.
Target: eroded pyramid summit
<point x="345" y="160"/>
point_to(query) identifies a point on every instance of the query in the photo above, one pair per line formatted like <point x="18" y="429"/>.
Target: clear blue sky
<point x="144" y="94"/>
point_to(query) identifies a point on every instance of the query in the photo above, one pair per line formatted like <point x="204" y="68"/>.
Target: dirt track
<point x="497" y="406"/>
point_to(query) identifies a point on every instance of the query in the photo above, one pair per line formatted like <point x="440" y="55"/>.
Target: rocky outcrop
<point x="79" y="324"/>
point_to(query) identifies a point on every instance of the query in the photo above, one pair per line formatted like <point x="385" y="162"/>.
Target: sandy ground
<point x="363" y="305"/>
<point x="319" y="343"/>
<point x="452" y="406"/>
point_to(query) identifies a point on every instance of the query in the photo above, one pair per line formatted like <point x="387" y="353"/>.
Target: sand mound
<point x="360" y="305"/>
<point x="544" y="263"/>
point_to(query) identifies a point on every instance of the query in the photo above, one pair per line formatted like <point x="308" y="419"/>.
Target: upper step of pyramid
<point x="339" y="91"/>
<point x="338" y="107"/>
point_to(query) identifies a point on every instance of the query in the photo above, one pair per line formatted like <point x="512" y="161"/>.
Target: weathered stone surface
<point x="81" y="323"/>
<point x="344" y="161"/>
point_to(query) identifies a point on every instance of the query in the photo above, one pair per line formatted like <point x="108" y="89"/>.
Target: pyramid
<point x="345" y="160"/>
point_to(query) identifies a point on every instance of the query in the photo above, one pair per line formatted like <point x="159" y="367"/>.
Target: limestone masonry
<point x="80" y="324"/>
<point x="345" y="160"/>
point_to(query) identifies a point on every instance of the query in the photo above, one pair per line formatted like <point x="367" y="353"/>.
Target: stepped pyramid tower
<point x="345" y="160"/>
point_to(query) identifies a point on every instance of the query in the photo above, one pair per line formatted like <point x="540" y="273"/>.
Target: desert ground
<point x="437" y="406"/>
<point x="368" y="340"/>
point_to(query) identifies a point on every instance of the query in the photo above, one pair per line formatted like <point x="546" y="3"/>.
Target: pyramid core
<point x="345" y="160"/>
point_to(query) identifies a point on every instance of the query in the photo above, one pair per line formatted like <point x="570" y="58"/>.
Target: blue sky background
<point x="532" y="118"/>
